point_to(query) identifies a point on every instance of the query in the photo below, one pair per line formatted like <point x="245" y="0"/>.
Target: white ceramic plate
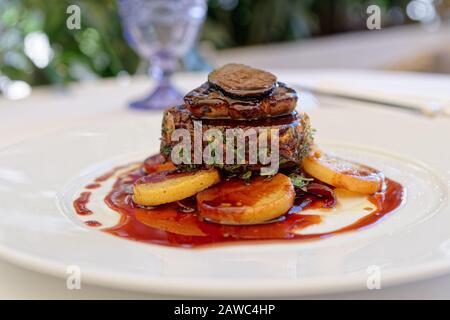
<point x="38" y="229"/>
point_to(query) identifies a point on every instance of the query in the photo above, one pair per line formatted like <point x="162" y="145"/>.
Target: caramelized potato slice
<point x="344" y="174"/>
<point x="157" y="163"/>
<point x="240" y="202"/>
<point x="169" y="186"/>
<point x="170" y="221"/>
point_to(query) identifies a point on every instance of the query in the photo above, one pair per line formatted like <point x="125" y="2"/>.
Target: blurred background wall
<point x="36" y="48"/>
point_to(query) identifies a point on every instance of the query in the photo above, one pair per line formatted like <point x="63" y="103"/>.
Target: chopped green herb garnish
<point x="166" y="150"/>
<point x="299" y="181"/>
<point x="246" y="175"/>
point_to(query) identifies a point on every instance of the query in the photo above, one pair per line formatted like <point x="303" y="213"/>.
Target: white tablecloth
<point x="49" y="110"/>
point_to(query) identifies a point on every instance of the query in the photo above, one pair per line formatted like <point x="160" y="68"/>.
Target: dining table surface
<point x="50" y="109"/>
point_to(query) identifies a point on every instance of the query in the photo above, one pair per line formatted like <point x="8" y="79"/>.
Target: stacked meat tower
<point x="238" y="96"/>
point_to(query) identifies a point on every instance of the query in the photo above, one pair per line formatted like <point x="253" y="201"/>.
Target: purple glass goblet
<point x="162" y="31"/>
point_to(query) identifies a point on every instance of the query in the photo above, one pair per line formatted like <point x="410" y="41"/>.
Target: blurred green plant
<point x="96" y="50"/>
<point x="99" y="50"/>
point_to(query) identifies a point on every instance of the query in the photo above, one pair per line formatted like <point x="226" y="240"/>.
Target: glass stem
<point x="164" y="94"/>
<point x="162" y="66"/>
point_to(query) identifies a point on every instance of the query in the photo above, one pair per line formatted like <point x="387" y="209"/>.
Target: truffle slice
<point x="242" y="81"/>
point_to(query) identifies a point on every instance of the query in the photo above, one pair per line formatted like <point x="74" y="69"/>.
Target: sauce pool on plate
<point x="178" y="224"/>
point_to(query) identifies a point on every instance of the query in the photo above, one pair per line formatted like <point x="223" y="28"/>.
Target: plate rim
<point x="222" y="288"/>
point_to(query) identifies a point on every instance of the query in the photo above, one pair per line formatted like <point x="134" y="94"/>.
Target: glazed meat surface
<point x="209" y="102"/>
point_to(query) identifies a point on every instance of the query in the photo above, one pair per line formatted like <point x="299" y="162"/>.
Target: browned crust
<point x="206" y="102"/>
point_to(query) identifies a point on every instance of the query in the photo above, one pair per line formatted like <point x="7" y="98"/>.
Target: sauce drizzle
<point x="93" y="186"/>
<point x="173" y="225"/>
<point x="178" y="224"/>
<point x="80" y="204"/>
<point x="93" y="223"/>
